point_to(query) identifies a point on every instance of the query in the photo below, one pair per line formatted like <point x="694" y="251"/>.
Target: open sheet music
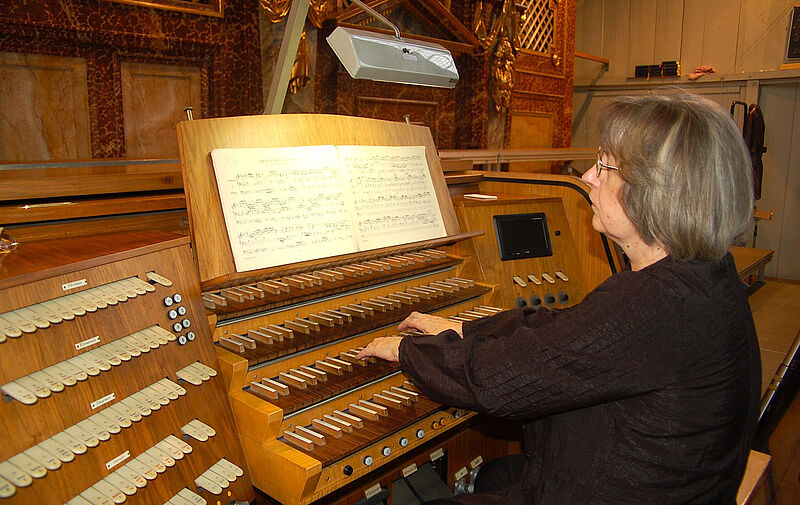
<point x="288" y="204"/>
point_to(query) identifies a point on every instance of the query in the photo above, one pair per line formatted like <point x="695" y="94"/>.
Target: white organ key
<point x="120" y="482"/>
<point x="218" y="479"/>
<point x="170" y="449"/>
<point x="19" y="322"/>
<point x="28" y="465"/>
<point x="203" y="426"/>
<point x="57" y="449"/>
<point x="73" y="444"/>
<point x="161" y="456"/>
<point x="18" y="393"/>
<point x="109" y="490"/>
<point x="14" y="475"/>
<point x="8" y="329"/>
<point x="7" y="489"/>
<point x="53" y="383"/>
<point x="209" y="485"/>
<point x="151" y="462"/>
<point x="47" y="311"/>
<point x="34" y="317"/>
<point x="43" y="457"/>
<point x="180" y="444"/>
<point x="34" y="386"/>
<point x="67" y="373"/>
<point x="160" y="279"/>
<point x="238" y="472"/>
<point x="193" y="497"/>
<point x="84" y="436"/>
<point x="95" y="497"/>
<point x="83" y="364"/>
<point x="106" y="423"/>
<point x="138" y="479"/>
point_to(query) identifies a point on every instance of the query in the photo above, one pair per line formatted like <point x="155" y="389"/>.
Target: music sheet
<point x="290" y="204"/>
<point x="393" y="196"/>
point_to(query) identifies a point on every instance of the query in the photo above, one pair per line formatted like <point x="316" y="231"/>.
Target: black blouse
<point x="645" y="392"/>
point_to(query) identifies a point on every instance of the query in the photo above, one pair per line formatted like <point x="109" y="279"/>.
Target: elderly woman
<point x="647" y="391"/>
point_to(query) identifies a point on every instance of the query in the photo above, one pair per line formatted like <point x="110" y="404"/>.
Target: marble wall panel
<point x="44" y="110"/>
<point x="153" y="101"/>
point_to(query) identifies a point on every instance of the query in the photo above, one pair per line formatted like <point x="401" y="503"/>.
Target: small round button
<point x="181" y="339"/>
<point x="186" y="323"/>
<point x="177" y="298"/>
<point x="172" y="314"/>
<point x="563" y="297"/>
<point x="520" y="302"/>
<point x="435" y="425"/>
<point x="420" y="433"/>
<point x="536" y="301"/>
<point x="182" y="310"/>
<point x="168" y="301"/>
<point x="177" y="327"/>
<point x="549" y="299"/>
<point x="190" y="335"/>
<point x="386" y="450"/>
<point x="404" y="442"/>
<point x="368" y="460"/>
<point x="347" y="470"/>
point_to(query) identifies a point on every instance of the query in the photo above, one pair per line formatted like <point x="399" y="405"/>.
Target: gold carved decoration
<point x="275" y="11"/>
<point x="206" y="7"/>
<point x="499" y="32"/>
<point x="300" y="78"/>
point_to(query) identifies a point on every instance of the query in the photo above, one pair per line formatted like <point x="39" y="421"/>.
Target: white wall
<point x="744" y="40"/>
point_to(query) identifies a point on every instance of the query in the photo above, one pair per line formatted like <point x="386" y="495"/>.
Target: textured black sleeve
<point x="600" y="350"/>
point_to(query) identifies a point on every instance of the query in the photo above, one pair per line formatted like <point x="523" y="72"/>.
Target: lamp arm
<point x="379" y="17"/>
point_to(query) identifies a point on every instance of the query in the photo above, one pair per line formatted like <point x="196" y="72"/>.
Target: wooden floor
<point x="776" y="312"/>
<point x="782" y="442"/>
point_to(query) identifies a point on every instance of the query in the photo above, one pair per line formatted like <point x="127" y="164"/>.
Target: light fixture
<point x="379" y="57"/>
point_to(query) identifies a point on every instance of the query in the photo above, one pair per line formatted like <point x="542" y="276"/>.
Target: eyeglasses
<point x="601" y="164"/>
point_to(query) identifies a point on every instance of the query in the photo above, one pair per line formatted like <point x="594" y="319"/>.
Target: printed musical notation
<point x="393" y="195"/>
<point x="284" y="205"/>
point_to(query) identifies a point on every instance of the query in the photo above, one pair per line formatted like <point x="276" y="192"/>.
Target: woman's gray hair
<point x="688" y="178"/>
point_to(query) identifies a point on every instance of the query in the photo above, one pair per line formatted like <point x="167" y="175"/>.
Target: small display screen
<point x="522" y="236"/>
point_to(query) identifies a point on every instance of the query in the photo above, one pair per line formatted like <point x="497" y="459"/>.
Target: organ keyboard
<point x="111" y="386"/>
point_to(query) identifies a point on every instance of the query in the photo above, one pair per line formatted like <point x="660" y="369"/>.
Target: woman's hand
<point x="387" y="348"/>
<point x="430" y="325"/>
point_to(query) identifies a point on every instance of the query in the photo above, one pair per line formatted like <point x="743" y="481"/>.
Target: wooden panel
<point x="718" y="37"/>
<point x="779" y="189"/>
<point x="43" y="108"/>
<point x="34" y="181"/>
<point x="197" y="139"/>
<point x="642" y="26"/>
<point x="478" y="215"/>
<point x="589" y="38"/>
<point x="616" y="37"/>
<point x="530" y="130"/>
<point x="668" y="29"/>
<point x="171" y="221"/>
<point x="43" y="271"/>
<point x="589" y="244"/>
<point x="52" y="211"/>
<point x="153" y="99"/>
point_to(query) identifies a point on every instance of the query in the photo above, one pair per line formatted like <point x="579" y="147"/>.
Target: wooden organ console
<point x="312" y="418"/>
<point x="111" y="390"/>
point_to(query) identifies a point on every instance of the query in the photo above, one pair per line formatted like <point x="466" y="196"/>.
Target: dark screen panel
<point x="522" y="236"/>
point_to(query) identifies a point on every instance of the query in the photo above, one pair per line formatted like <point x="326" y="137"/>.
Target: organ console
<point x="111" y="387"/>
<point x="171" y="388"/>
<point x="313" y="418"/>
